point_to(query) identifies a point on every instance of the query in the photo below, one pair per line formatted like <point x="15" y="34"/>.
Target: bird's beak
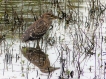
<point x="54" y="17"/>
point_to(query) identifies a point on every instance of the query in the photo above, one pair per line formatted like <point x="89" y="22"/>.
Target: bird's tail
<point x="25" y="38"/>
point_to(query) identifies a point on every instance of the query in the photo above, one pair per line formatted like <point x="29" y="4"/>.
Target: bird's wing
<point x="36" y="30"/>
<point x="40" y="27"/>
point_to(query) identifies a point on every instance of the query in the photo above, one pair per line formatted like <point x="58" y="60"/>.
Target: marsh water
<point x="74" y="48"/>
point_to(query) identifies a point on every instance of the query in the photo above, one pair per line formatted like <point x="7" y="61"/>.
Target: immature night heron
<point x="38" y="28"/>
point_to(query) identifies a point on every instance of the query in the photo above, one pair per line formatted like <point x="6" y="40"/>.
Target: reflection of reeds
<point x="38" y="58"/>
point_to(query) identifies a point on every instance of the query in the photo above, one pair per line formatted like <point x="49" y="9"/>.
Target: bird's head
<point x="49" y="16"/>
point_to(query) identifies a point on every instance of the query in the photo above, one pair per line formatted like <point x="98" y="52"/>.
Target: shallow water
<point x="65" y="37"/>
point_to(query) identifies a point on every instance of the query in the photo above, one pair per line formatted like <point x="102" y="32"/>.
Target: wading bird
<point x="38" y="28"/>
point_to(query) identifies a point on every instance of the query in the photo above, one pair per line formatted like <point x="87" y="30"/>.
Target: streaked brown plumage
<point x="38" y="28"/>
<point x="38" y="58"/>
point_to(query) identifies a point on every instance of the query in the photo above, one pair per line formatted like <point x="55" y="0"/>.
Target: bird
<point x="37" y="29"/>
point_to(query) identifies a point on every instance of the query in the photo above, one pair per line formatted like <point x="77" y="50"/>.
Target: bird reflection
<point x="38" y="58"/>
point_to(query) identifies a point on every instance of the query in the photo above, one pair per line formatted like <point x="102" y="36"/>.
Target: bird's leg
<point x="41" y="42"/>
<point x="34" y="44"/>
<point x="38" y="47"/>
